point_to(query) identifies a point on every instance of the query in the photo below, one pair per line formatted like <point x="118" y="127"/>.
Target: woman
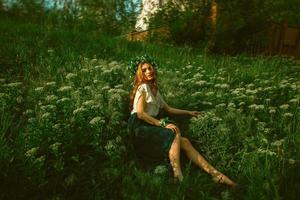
<point x="160" y="138"/>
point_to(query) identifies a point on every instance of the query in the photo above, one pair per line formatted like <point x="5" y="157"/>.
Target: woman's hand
<point x="173" y="127"/>
<point x="194" y="113"/>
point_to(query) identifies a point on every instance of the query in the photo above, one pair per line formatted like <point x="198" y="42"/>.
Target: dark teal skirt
<point x="151" y="143"/>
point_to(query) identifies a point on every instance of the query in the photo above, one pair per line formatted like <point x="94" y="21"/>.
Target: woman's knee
<point x="184" y="142"/>
<point x="178" y="133"/>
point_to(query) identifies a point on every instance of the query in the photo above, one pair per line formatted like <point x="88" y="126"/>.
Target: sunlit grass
<point x="64" y="106"/>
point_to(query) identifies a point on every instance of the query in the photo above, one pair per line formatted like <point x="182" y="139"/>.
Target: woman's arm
<point x="141" y="114"/>
<point x="177" y="111"/>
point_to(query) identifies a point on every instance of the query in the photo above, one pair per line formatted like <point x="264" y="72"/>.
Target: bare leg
<point x="196" y="157"/>
<point x="174" y="156"/>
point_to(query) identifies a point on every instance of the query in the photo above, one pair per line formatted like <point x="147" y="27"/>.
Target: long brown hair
<point x="140" y="79"/>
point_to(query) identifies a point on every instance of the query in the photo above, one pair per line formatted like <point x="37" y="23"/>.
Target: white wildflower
<point x="32" y="152"/>
<point x="294" y="101"/>
<point x="189" y="66"/>
<point x="260" y="107"/>
<point x="31" y="120"/>
<point x="284" y="106"/>
<point x="272" y="111"/>
<point x="119" y="86"/>
<point x="160" y="169"/>
<point x="217" y="85"/>
<point x="3" y="95"/>
<point x="210" y="93"/>
<point x="20" y="99"/>
<point x="277" y="143"/>
<point x="256" y="107"/>
<point x="110" y="145"/>
<point x="267" y="130"/>
<point x="28" y="112"/>
<point x="84" y="70"/>
<point x="294" y="87"/>
<point x="56" y="126"/>
<point x="94" y="60"/>
<point x="46" y="115"/>
<point x="200" y="83"/>
<point x="231" y="105"/>
<point x="253" y="106"/>
<point x="41" y="159"/>
<point x="198" y="76"/>
<point x="170" y="95"/>
<point x="268" y="100"/>
<point x="97" y="121"/>
<point x="264" y="140"/>
<point x="106" y="88"/>
<point x="50" y="108"/>
<point x="79" y="110"/>
<point x="54" y="147"/>
<point x="292" y="161"/>
<point x="51" y="98"/>
<point x="39" y="89"/>
<point x="88" y="88"/>
<point x="242" y="103"/>
<point x="97" y="67"/>
<point x="65" y="89"/>
<point x="252" y="92"/>
<point x="266" y="151"/>
<point x="65" y="99"/>
<point x="224" y="86"/>
<point x="266" y="82"/>
<point x="220" y="79"/>
<point x="15" y="85"/>
<point x="52" y="83"/>
<point x="266" y="89"/>
<point x="71" y="76"/>
<point x="261" y="125"/>
<point x="207" y="103"/>
<point x="113" y="64"/>
<point x="235" y="92"/>
<point x="288" y="115"/>
<point x="251" y="85"/>
<point x="221" y="105"/>
<point x="118" y="139"/>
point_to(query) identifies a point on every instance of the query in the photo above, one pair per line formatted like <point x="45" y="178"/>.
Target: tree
<point x="113" y="17"/>
<point x="187" y="20"/>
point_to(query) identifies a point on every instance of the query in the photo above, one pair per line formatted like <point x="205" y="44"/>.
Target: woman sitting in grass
<point x="161" y="139"/>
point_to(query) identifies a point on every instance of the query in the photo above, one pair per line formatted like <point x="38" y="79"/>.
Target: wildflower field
<point x="64" y="108"/>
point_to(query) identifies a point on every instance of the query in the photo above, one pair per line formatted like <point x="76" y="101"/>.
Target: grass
<point x="64" y="98"/>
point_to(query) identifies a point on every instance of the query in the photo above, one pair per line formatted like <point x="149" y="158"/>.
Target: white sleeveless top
<point x="153" y="103"/>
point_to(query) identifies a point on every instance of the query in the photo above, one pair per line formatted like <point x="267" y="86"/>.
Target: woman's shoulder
<point x="143" y="87"/>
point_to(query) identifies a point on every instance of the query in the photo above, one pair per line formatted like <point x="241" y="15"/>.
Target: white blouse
<point x="153" y="103"/>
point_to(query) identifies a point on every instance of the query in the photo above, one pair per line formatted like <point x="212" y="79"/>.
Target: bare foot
<point x="179" y="177"/>
<point x="221" y="178"/>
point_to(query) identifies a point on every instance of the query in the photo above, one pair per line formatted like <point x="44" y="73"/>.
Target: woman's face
<point x="148" y="72"/>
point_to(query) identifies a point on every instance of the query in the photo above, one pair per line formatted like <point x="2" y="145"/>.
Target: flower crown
<point x="134" y="62"/>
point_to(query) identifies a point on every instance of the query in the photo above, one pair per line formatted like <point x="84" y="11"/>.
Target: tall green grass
<point x="64" y="106"/>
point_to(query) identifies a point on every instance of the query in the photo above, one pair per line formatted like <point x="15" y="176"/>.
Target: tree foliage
<point x="240" y="23"/>
<point x="245" y="23"/>
<point x="110" y="17"/>
<point x="186" y="20"/>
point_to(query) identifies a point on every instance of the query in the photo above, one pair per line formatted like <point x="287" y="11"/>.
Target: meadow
<point x="64" y="107"/>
